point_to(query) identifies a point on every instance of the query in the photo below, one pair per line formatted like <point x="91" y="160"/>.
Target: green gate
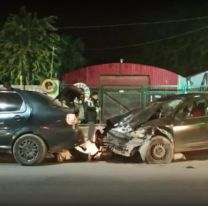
<point x="115" y="101"/>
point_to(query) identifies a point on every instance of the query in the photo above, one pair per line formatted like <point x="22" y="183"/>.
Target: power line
<point x="134" y="24"/>
<point x="149" y="42"/>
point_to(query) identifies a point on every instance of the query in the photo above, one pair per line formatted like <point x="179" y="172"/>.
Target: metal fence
<point x="116" y="101"/>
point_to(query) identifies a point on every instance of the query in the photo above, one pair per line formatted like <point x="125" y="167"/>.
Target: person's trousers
<point x="91" y="130"/>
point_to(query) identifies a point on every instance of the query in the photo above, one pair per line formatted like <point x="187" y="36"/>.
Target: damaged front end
<point x="129" y="143"/>
<point x="133" y="133"/>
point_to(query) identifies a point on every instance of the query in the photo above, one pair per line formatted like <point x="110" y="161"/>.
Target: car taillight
<point x="71" y="119"/>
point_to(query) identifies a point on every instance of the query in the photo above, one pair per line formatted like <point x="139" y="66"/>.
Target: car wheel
<point x="29" y="149"/>
<point x="160" y="151"/>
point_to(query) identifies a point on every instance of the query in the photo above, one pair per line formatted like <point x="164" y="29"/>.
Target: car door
<point x="191" y="132"/>
<point x="13" y="115"/>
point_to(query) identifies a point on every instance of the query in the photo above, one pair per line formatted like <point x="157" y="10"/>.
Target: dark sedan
<point x="32" y="124"/>
<point x="175" y="124"/>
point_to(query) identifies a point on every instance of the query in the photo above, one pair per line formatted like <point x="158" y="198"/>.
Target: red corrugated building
<point x="121" y="74"/>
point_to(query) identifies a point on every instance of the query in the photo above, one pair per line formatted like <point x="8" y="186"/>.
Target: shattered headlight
<point x="142" y="132"/>
<point x="120" y="132"/>
<point x="122" y="129"/>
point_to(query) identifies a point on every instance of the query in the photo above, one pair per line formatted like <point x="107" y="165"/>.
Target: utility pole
<point x="52" y="59"/>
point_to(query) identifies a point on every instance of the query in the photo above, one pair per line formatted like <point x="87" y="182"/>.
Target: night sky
<point x="106" y="44"/>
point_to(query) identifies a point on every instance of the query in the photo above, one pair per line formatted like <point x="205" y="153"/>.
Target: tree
<point x="71" y="54"/>
<point x="29" y="48"/>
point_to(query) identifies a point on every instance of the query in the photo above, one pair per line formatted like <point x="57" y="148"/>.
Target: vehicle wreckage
<point x="164" y="128"/>
<point x="156" y="134"/>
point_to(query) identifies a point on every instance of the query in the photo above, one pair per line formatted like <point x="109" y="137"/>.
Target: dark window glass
<point x="10" y="102"/>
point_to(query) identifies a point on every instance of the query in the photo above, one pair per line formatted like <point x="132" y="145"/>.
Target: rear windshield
<point x="10" y="101"/>
<point x="49" y="100"/>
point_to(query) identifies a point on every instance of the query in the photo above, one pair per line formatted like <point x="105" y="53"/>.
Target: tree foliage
<point x="185" y="55"/>
<point x="27" y="47"/>
<point x="71" y="54"/>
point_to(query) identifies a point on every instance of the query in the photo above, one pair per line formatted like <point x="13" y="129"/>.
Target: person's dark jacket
<point x="90" y="111"/>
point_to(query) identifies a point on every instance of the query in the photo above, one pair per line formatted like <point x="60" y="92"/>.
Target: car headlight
<point x="141" y="132"/>
<point x="71" y="119"/>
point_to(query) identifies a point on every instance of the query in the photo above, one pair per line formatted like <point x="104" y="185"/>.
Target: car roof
<point x="178" y="96"/>
<point x="27" y="93"/>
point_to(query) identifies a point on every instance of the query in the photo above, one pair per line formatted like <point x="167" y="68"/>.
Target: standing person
<point x="80" y="104"/>
<point x="91" y="114"/>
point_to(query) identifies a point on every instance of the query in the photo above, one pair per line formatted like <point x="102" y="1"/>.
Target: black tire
<point x="29" y="149"/>
<point x="160" y="151"/>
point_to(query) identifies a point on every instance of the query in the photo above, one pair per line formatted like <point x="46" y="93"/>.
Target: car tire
<point x="29" y="149"/>
<point x="160" y="151"/>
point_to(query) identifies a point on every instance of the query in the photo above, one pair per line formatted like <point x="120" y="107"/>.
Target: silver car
<point x="174" y="124"/>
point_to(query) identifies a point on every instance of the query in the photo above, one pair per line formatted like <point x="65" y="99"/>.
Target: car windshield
<point x="168" y="107"/>
<point x="157" y="109"/>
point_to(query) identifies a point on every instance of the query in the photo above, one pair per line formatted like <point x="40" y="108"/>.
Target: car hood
<point x="132" y="119"/>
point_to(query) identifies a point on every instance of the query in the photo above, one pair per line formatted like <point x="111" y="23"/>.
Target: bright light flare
<point x="71" y="119"/>
<point x="90" y="148"/>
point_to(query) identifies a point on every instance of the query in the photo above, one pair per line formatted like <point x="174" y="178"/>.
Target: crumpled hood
<point x="132" y="119"/>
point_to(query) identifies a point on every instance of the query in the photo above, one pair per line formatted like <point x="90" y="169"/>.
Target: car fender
<point x="165" y="133"/>
<point x="21" y="132"/>
<point x="143" y="148"/>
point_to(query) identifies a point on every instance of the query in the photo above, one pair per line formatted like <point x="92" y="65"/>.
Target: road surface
<point x="104" y="183"/>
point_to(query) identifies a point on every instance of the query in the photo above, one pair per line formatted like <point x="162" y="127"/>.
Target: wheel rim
<point x="158" y="152"/>
<point x="28" y="150"/>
